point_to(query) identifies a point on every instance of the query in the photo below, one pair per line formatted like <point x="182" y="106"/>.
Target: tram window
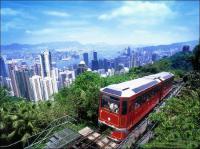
<point x="138" y="101"/>
<point x="144" y="98"/>
<point x="154" y="92"/>
<point x="149" y="95"/>
<point x="110" y="103"/>
<point x="124" y="107"/>
<point x="114" y="98"/>
<point x="137" y="105"/>
<point x="157" y="89"/>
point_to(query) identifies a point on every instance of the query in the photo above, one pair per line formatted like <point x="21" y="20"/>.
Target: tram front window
<point x="110" y="103"/>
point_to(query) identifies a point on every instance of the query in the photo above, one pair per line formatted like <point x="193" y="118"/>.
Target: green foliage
<point x="196" y="58"/>
<point x="20" y="119"/>
<point x="179" y="121"/>
<point x="182" y="60"/>
<point x="192" y="80"/>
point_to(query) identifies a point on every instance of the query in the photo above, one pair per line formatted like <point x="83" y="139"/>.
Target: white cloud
<point x="57" y="13"/>
<point x="44" y="31"/>
<point x="14" y="24"/>
<point x="138" y="10"/>
<point x="16" y="12"/>
<point x="9" y="11"/>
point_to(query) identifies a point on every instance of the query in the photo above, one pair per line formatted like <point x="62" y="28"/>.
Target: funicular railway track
<point x="142" y="132"/>
<point x="147" y="132"/>
<point x="93" y="139"/>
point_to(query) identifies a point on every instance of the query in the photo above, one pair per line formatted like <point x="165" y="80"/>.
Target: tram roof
<point x="162" y="75"/>
<point x="132" y="87"/>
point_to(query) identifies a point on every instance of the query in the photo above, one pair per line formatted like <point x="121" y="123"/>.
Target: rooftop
<point x="132" y="87"/>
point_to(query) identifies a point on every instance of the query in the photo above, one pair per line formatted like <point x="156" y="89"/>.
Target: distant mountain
<point x="104" y="49"/>
<point x="76" y="46"/>
<point x="40" y="46"/>
<point x="172" y="46"/>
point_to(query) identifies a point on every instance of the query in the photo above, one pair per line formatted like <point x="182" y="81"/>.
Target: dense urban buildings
<point x="41" y="78"/>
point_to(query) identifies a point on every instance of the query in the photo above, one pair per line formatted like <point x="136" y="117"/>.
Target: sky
<point x="122" y="22"/>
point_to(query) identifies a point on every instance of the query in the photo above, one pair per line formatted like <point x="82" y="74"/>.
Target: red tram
<point x="123" y="105"/>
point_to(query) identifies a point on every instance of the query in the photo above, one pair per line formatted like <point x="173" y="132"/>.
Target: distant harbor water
<point x="66" y="63"/>
<point x="60" y="64"/>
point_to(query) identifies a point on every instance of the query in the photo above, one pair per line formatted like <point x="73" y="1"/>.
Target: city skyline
<point x="158" y="22"/>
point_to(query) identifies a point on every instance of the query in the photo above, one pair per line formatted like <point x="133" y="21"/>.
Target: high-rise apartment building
<point x="66" y="77"/>
<point x="46" y="64"/>
<point x="95" y="64"/>
<point x="95" y="56"/>
<point x="47" y="87"/>
<point x="23" y="84"/>
<point x="81" y="68"/>
<point x="37" y="88"/>
<point x="11" y="69"/>
<point x="128" y="51"/>
<point x="55" y="79"/>
<point x="3" y="72"/>
<point x="37" y="69"/>
<point x="86" y="59"/>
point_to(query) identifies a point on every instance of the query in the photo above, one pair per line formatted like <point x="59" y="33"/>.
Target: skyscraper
<point x="55" y="78"/>
<point x="128" y="51"/>
<point x="62" y="76"/>
<point x="105" y="64"/>
<point x="12" y="68"/>
<point x="66" y="77"/>
<point x="3" y="72"/>
<point x="9" y="86"/>
<point x="46" y="64"/>
<point x="36" y="85"/>
<point x="95" y="56"/>
<point x="23" y="84"/>
<point x="47" y="87"/>
<point x="85" y="58"/>
<point x="81" y="68"/>
<point x="95" y="64"/>
<point x="100" y="63"/>
<point x="133" y="59"/>
<point x="37" y="69"/>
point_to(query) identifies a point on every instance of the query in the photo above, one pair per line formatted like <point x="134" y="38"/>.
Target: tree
<point x="196" y="58"/>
